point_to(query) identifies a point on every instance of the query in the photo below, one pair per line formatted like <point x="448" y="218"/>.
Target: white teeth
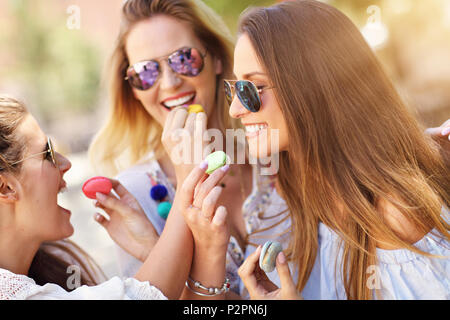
<point x="178" y="102"/>
<point x="255" y="128"/>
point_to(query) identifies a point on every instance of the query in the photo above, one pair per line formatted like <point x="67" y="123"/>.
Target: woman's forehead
<point x="245" y="58"/>
<point x="157" y="37"/>
<point x="31" y="134"/>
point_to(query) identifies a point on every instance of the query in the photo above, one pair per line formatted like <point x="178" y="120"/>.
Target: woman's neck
<point x="16" y="253"/>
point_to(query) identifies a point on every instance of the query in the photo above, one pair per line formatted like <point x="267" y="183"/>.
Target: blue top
<point x="399" y="274"/>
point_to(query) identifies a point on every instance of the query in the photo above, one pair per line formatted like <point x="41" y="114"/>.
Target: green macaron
<point x="215" y="161"/>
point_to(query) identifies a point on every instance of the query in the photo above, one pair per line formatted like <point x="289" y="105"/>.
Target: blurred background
<point x="54" y="53"/>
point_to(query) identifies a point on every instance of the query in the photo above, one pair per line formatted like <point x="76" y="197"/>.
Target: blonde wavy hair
<point x="130" y="133"/>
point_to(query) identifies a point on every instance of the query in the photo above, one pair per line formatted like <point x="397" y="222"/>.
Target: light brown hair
<point x="129" y="126"/>
<point x="352" y="141"/>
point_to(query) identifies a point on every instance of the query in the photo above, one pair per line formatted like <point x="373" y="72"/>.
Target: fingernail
<point x="204" y="164"/>
<point x="100" y="196"/>
<point x="281" y="258"/>
<point x="225" y="168"/>
<point x="445" y="131"/>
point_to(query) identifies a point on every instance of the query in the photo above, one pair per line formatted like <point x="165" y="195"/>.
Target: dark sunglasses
<point x="185" y="61"/>
<point x="49" y="154"/>
<point x="247" y="92"/>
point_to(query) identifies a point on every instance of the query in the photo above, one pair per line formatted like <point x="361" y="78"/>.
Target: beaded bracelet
<point x="211" y="291"/>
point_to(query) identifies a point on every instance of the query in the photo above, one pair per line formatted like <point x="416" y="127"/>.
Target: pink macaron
<point x="96" y="184"/>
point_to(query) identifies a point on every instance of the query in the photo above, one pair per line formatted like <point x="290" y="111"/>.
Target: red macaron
<point x="96" y="184"/>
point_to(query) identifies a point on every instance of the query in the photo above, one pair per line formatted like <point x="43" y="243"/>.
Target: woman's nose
<point x="169" y="79"/>
<point x="237" y="110"/>
<point x="63" y="163"/>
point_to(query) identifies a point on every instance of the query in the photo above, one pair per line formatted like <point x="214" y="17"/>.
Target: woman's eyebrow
<point x="255" y="73"/>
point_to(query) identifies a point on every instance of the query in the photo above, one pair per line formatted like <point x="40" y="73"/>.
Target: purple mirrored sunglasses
<point x="185" y="61"/>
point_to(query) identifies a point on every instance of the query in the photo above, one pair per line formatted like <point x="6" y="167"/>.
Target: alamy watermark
<point x="74" y="19"/>
<point x="74" y="279"/>
<point x="263" y="147"/>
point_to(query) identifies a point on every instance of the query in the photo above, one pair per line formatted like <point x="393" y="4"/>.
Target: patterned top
<point x="262" y="209"/>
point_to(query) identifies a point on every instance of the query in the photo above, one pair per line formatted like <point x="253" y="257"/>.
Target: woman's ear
<point x="8" y="192"/>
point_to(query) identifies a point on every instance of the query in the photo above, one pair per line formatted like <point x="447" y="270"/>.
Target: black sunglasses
<point x="185" y="61"/>
<point x="247" y="92"/>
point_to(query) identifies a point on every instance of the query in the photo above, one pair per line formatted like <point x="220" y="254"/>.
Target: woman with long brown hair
<point x="368" y="191"/>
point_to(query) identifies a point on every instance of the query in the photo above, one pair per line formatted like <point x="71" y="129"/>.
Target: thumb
<point x="287" y="284"/>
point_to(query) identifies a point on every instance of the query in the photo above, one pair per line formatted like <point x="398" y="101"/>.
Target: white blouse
<point x="19" y="287"/>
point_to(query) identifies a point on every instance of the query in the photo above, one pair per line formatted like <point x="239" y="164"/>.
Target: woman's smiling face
<point x="266" y="130"/>
<point x="158" y="37"/>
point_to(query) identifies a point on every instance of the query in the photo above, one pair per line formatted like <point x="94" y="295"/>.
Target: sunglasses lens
<point x="51" y="152"/>
<point x="228" y="94"/>
<point x="248" y="95"/>
<point x="186" y="61"/>
<point x="143" y="74"/>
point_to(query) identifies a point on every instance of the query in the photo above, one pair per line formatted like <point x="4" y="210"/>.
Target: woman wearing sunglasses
<point x="169" y="53"/>
<point x="35" y="260"/>
<point x="370" y="198"/>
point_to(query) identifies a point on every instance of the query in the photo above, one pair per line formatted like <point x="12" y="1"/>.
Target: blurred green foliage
<point x="57" y="67"/>
<point x="230" y="10"/>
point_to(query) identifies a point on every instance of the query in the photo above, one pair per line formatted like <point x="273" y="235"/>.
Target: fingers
<point x="190" y="122"/>
<point x="220" y="216"/>
<point x="198" y="131"/>
<point x="209" y="204"/>
<point x="101" y="220"/>
<point x="286" y="281"/>
<point x="441" y="131"/>
<point x="179" y="119"/>
<point x="247" y="271"/>
<point x="189" y="184"/>
<point x="206" y="186"/>
<point x="168" y="124"/>
<point x="119" y="188"/>
<point x="111" y="204"/>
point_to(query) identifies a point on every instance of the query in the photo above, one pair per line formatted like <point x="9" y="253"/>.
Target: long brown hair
<point x="129" y="126"/>
<point x="51" y="262"/>
<point x="355" y="142"/>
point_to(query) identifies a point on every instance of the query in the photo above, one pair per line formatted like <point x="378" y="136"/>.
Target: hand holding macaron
<point x="127" y="223"/>
<point x="182" y="138"/>
<point x="199" y="197"/>
<point x="256" y="281"/>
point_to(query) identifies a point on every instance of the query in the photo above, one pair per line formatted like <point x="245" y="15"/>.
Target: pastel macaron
<point x="215" y="161"/>
<point x="195" y="108"/>
<point x="269" y="253"/>
<point x="96" y="184"/>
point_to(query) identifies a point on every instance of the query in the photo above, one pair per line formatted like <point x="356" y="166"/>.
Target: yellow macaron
<point x="195" y="108"/>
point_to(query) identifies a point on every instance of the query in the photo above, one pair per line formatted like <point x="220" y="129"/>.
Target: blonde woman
<point x="152" y="76"/>
<point x="370" y="198"/>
